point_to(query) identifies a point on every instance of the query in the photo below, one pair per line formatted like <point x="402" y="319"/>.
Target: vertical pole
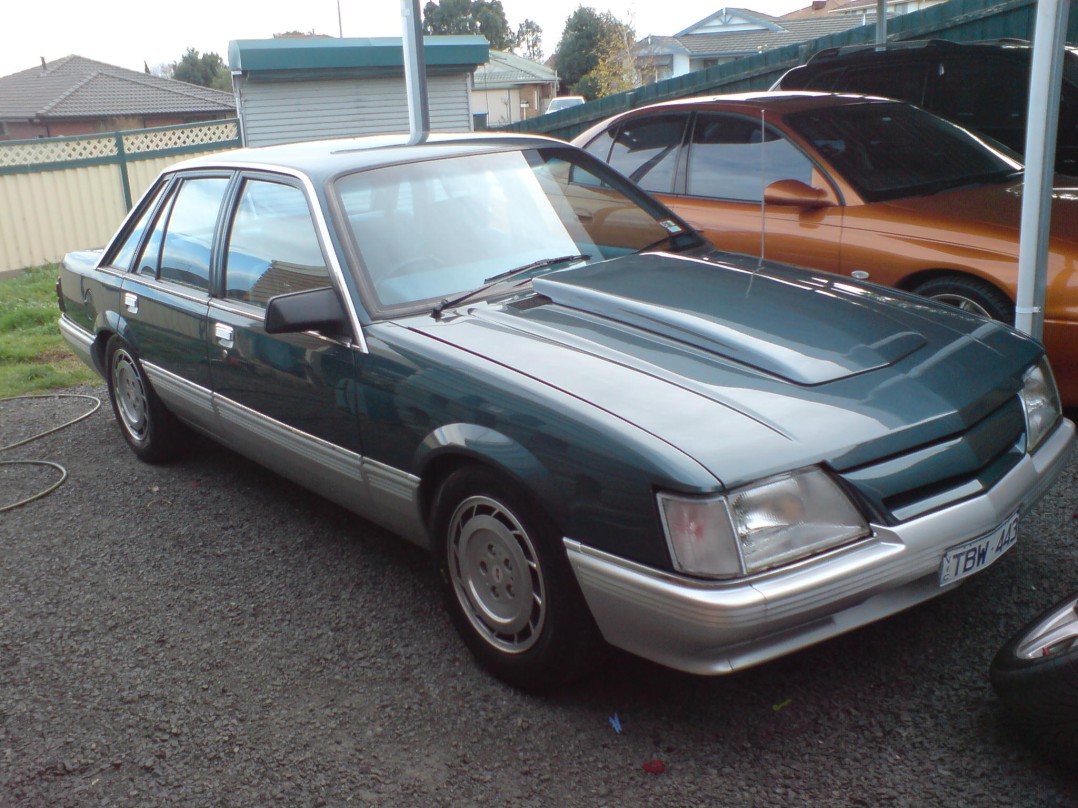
<point x="1042" y="118"/>
<point x="881" y="24"/>
<point x="415" y="72"/>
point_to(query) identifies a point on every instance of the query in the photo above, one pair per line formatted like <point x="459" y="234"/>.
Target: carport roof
<point x="295" y="54"/>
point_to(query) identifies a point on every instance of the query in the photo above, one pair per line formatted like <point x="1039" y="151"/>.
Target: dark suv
<point x="982" y="85"/>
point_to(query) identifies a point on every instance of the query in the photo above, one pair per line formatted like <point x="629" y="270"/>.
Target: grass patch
<point x="33" y="355"/>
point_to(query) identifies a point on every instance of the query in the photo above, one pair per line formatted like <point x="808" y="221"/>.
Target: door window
<point x="647" y="151"/>
<point x="188" y="236"/>
<point x="272" y="245"/>
<point x="734" y="157"/>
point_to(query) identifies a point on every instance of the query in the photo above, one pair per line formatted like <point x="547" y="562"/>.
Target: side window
<point x="647" y="151"/>
<point x="988" y="95"/>
<point x="905" y="82"/>
<point x="185" y="253"/>
<point x="600" y="145"/>
<point x="150" y="259"/>
<point x="272" y="245"/>
<point x="122" y="257"/>
<point x="732" y="157"/>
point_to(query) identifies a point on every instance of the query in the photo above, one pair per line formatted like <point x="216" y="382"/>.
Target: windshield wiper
<point x="502" y="277"/>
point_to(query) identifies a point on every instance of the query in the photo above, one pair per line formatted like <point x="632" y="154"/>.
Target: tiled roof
<point x="773" y="32"/>
<point x="76" y="87"/>
<point x="792" y="32"/>
<point x="508" y="69"/>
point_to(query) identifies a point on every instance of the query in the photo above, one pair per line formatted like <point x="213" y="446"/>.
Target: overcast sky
<point x="130" y="32"/>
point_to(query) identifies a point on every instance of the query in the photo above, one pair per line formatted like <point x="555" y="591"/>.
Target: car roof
<point x="323" y="158"/>
<point x="781" y="100"/>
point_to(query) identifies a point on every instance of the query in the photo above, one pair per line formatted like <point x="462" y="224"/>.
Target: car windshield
<point x="434" y="230"/>
<point x="891" y="150"/>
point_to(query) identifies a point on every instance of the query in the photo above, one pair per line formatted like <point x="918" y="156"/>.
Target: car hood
<point x="750" y="370"/>
<point x="990" y="212"/>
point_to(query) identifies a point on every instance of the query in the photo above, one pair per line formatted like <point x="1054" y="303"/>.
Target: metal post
<point x="881" y="23"/>
<point x="1042" y="117"/>
<point x="415" y="72"/>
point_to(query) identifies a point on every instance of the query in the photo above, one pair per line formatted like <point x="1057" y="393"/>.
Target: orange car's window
<point x="736" y="157"/>
<point x="647" y="151"/>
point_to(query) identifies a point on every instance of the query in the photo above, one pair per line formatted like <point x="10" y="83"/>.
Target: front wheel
<point x="149" y="428"/>
<point x="1035" y="676"/>
<point x="508" y="585"/>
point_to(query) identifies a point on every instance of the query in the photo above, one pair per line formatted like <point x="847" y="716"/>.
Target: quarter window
<point x="646" y="151"/>
<point x="123" y="256"/>
<point x="272" y="245"/>
<point x="185" y="253"/>
<point x="733" y="157"/>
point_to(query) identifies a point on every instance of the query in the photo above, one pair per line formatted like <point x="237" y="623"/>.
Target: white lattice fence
<point x="63" y="194"/>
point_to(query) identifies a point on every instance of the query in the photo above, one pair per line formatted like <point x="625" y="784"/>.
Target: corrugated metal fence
<point x="61" y="194"/>
<point x="958" y="20"/>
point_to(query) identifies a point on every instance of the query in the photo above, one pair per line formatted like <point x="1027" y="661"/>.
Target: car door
<point x="729" y="160"/>
<point x="165" y="298"/>
<point x="285" y="399"/>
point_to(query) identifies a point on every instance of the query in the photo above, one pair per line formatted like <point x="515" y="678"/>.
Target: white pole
<point x="1045" y="82"/>
<point x="415" y="71"/>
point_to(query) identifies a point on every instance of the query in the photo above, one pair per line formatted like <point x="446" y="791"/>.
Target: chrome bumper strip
<point x="717" y="627"/>
<point x="80" y="340"/>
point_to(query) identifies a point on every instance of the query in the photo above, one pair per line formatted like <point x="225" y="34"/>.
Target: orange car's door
<point x="729" y="160"/>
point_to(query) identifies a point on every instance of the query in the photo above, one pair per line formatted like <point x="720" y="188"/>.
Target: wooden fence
<point x="68" y="193"/>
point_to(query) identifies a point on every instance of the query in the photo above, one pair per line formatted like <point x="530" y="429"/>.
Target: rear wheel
<point x="508" y="584"/>
<point x="969" y="294"/>
<point x="1036" y="678"/>
<point x="149" y="428"/>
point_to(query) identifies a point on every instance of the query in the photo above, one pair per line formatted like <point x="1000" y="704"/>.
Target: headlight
<point x="1040" y="399"/>
<point x="775" y="521"/>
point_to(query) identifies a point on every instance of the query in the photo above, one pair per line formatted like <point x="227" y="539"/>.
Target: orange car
<point x="861" y="186"/>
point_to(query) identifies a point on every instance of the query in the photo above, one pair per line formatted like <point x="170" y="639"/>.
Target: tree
<point x="595" y="56"/>
<point x="577" y="53"/>
<point x="207" y="70"/>
<point x="483" y="17"/>
<point x="528" y="41"/>
<point x="616" y="70"/>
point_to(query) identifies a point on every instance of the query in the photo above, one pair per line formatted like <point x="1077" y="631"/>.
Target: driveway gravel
<point x="205" y="633"/>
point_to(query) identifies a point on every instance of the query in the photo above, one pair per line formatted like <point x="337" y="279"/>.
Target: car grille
<point x="947" y="471"/>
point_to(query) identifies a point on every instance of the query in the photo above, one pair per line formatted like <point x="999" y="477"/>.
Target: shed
<point x="312" y="89"/>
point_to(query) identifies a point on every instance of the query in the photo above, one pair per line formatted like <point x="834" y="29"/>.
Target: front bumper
<point x="709" y="627"/>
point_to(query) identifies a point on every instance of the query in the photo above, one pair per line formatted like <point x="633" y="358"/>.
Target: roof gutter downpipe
<point x="1045" y="83"/>
<point x="415" y="73"/>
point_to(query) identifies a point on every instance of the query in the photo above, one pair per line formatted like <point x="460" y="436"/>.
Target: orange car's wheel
<point x="969" y="294"/>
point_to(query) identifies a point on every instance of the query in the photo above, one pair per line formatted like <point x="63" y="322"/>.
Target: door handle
<point x="131" y="302"/>
<point x="224" y="334"/>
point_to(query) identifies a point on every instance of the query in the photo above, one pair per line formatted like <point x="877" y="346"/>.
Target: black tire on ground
<point x="1035" y="676"/>
<point x="508" y="584"/>
<point x="152" y="432"/>
<point x="969" y="294"/>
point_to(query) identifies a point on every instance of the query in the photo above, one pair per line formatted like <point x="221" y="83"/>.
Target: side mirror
<point x="309" y="310"/>
<point x="795" y="193"/>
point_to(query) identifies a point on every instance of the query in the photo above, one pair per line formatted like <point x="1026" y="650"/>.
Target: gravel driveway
<point x="205" y="633"/>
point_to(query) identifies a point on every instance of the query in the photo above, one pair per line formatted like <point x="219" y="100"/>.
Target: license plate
<point x="973" y="556"/>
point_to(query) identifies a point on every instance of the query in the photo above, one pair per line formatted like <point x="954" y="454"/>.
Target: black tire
<point x="508" y="585"/>
<point x="1035" y="676"/>
<point x="152" y="432"/>
<point x="969" y="294"/>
